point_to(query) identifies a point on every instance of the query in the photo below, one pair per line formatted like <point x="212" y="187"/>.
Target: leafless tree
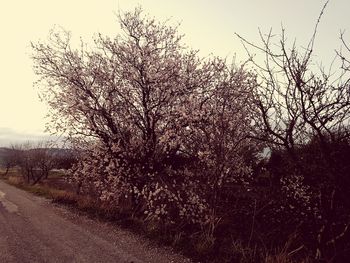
<point x="298" y="105"/>
<point x="10" y="158"/>
<point x="35" y="161"/>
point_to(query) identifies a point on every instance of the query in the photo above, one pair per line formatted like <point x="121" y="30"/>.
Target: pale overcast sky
<point x="208" y="25"/>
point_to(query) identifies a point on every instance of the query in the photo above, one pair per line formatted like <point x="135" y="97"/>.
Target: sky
<point x="208" y="26"/>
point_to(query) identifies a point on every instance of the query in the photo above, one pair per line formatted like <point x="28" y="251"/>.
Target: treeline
<point x="239" y="163"/>
<point x="36" y="161"/>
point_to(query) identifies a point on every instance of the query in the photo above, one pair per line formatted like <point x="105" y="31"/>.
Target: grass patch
<point x="84" y="204"/>
<point x="37" y="189"/>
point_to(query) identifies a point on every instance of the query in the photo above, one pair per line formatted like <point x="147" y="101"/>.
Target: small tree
<point x="35" y="161"/>
<point x="10" y="158"/>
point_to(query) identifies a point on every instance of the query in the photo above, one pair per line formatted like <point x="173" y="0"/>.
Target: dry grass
<point x="198" y="248"/>
<point x="58" y="193"/>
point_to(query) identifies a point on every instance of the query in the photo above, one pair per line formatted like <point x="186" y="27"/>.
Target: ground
<point x="33" y="229"/>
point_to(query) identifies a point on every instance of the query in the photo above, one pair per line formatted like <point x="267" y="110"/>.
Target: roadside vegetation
<point x="228" y="163"/>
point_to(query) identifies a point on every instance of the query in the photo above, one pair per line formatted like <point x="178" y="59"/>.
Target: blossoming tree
<point x="161" y="129"/>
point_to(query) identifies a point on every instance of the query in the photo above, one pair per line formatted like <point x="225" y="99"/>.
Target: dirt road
<point x="34" y="230"/>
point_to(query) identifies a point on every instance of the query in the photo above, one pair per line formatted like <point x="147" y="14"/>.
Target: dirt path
<point x="34" y="230"/>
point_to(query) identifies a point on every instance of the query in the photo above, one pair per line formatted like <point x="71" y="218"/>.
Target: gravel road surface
<point x="32" y="229"/>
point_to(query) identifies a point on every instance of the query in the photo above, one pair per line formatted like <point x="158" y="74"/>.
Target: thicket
<point x="178" y="141"/>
